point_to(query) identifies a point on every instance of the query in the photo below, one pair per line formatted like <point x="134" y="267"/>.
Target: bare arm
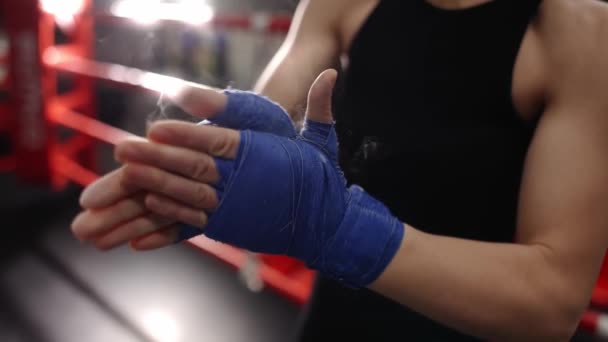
<point x="537" y="288"/>
<point x="311" y="46"/>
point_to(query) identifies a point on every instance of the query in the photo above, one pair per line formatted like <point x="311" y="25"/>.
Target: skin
<point x="561" y="239"/>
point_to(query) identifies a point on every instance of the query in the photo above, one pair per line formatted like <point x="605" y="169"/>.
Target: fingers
<point x="231" y="108"/>
<point x="132" y="219"/>
<point x="92" y="223"/>
<point x="176" y="211"/>
<point x="188" y="163"/>
<point x="215" y="141"/>
<point x="106" y="191"/>
<point x="198" y="100"/>
<point x="159" y="239"/>
<point x="320" y="97"/>
<point x="195" y="194"/>
<point x="138" y="227"/>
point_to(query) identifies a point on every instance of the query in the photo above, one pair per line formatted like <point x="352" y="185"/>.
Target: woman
<point x="481" y="127"/>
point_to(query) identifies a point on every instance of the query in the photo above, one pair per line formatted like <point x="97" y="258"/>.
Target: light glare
<point x="161" y="326"/>
<point x="170" y="86"/>
<point x="195" y="12"/>
<point x="64" y="11"/>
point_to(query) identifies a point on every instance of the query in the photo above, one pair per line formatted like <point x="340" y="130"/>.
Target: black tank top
<point x="427" y="125"/>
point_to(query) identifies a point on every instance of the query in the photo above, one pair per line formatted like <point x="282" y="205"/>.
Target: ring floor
<point x="55" y="289"/>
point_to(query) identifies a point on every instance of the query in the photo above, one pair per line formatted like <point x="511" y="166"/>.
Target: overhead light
<point x="64" y="11"/>
<point x="195" y="12"/>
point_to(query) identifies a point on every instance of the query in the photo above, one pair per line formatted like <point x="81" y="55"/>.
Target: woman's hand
<point x="275" y="194"/>
<point x="176" y="168"/>
<point x="115" y="213"/>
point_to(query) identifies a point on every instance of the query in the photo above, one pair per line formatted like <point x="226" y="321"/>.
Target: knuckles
<point x="202" y="196"/>
<point x="200" y="169"/>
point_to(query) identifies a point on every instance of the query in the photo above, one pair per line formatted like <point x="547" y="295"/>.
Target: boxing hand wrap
<point x="364" y="244"/>
<point x="247" y="110"/>
<point x="287" y="195"/>
<point x="244" y="110"/>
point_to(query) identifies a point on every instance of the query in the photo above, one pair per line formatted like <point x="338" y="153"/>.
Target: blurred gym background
<point x="52" y="288"/>
<point x="103" y="60"/>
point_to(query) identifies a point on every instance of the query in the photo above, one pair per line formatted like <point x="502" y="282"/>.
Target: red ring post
<point x="32" y="132"/>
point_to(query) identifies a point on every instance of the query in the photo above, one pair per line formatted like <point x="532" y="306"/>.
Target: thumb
<point x="319" y="97"/>
<point x="319" y="126"/>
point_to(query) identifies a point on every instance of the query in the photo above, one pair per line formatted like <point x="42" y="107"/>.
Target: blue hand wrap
<point x="247" y="110"/>
<point x="286" y="195"/>
<point x="244" y="110"/>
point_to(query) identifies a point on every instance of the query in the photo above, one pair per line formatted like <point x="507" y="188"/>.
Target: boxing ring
<point x="38" y="112"/>
<point x="33" y="112"/>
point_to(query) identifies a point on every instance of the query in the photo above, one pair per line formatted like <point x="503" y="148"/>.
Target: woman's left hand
<point x="115" y="213"/>
<point x="275" y="194"/>
<point x="175" y="165"/>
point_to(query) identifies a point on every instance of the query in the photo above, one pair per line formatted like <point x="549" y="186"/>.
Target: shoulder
<point x="585" y="20"/>
<point x="574" y="36"/>
<point x="326" y="13"/>
<point x="337" y="20"/>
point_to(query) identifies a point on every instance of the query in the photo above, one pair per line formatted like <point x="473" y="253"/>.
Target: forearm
<point x="311" y="46"/>
<point x="490" y="290"/>
<point x="278" y="83"/>
<point x="287" y="81"/>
